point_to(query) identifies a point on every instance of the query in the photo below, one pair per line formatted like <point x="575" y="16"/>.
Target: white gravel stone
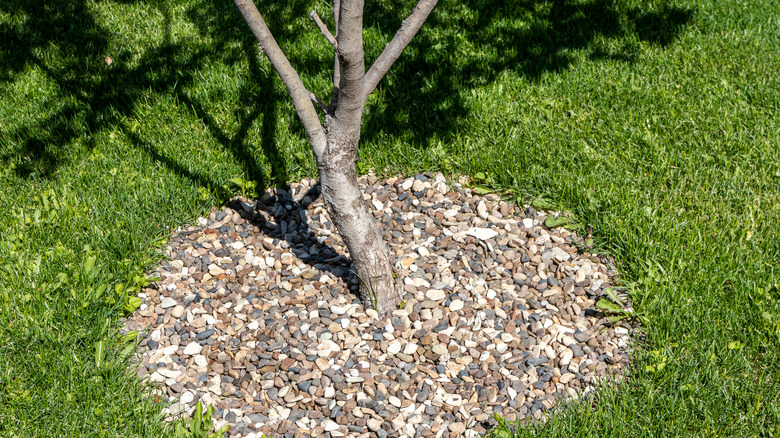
<point x="566" y="357"/>
<point x="453" y="400"/>
<point x="192" y="348"/>
<point x="214" y="385"/>
<point x="330" y="426"/>
<point x="171" y="374"/>
<point x="374" y="424"/>
<point x="565" y="378"/>
<point x="481" y="233"/>
<point x="456" y="305"/>
<point x="435" y="294"/>
<point x="394" y="348"/>
<point x="326" y="347"/>
<point x="177" y="311"/>
<point x="201" y="360"/>
<point x="410" y="348"/>
<point x="561" y="255"/>
<point x="186" y="397"/>
<point x="482" y="210"/>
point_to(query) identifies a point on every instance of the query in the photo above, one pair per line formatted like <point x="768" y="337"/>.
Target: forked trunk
<point x="335" y="146"/>
<point x="373" y="261"/>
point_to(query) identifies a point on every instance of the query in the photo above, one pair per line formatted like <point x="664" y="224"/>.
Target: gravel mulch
<point x="256" y="312"/>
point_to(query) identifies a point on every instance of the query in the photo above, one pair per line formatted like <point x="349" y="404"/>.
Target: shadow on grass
<point x="463" y="46"/>
<point x="466" y="46"/>
<point x="69" y="46"/>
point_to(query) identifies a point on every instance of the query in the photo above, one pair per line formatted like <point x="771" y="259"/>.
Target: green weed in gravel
<point x="654" y="122"/>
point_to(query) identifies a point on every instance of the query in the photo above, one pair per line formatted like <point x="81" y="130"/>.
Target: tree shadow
<point x="102" y="93"/>
<point x="279" y="216"/>
<point x="463" y="46"/>
<point x="467" y="46"/>
<point x="33" y="29"/>
<point x="661" y="26"/>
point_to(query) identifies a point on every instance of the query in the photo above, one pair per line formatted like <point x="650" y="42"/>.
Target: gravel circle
<point x="256" y="312"/>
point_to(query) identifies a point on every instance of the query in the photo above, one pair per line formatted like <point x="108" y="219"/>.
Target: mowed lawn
<point x="654" y="123"/>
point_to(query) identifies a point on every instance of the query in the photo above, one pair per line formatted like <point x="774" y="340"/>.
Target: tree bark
<point x="372" y="259"/>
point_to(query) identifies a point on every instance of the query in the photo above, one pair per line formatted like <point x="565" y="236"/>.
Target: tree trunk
<point x="335" y="146"/>
<point x="373" y="260"/>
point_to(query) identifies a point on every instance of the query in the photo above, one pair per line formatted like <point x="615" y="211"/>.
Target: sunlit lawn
<point x="654" y="123"/>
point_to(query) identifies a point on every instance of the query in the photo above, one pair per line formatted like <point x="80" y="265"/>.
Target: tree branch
<point x="324" y="29"/>
<point x="392" y="51"/>
<point x="298" y="92"/>
<point x="319" y="102"/>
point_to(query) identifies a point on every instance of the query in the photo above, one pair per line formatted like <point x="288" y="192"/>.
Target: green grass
<point x="655" y="122"/>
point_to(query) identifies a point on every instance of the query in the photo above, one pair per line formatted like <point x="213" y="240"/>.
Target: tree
<point x="335" y="142"/>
